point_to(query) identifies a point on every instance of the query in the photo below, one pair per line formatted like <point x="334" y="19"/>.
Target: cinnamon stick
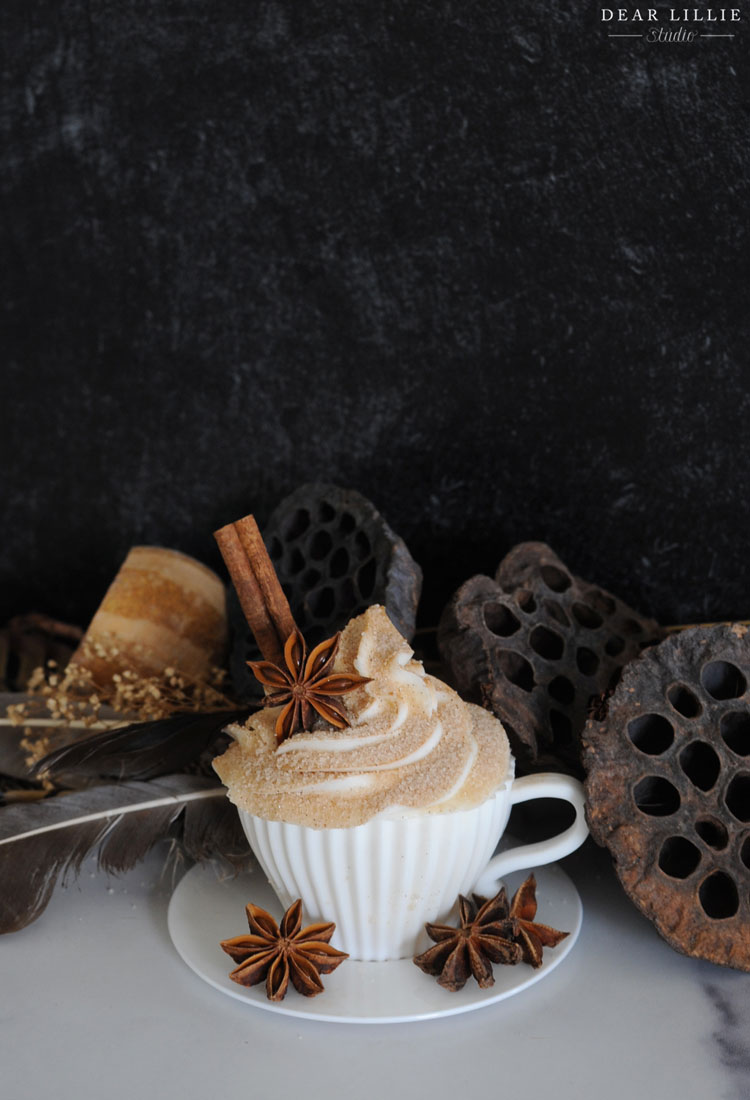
<point x="261" y="596"/>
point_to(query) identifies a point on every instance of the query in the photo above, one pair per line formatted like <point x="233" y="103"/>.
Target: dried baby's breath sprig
<point x="63" y="706"/>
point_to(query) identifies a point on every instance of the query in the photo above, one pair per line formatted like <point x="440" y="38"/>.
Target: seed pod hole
<point x="546" y="643"/>
<point x="614" y="646"/>
<point x="656" y="796"/>
<point x="586" y="616"/>
<point x="311" y="578"/>
<point x="713" y="833"/>
<point x="723" y="680"/>
<point x="556" y="612"/>
<point x="651" y="733"/>
<point x="326" y="512"/>
<point x="561" y="690"/>
<point x="526" y="601"/>
<point x="679" y="857"/>
<point x="516" y="669"/>
<point x="718" y="896"/>
<point x="322" y="603"/>
<point x="298" y="524"/>
<point x="296" y="561"/>
<point x="366" y="578"/>
<point x="701" y="764"/>
<point x="735" y="729"/>
<point x="320" y="545"/>
<point x="351" y="597"/>
<point x="339" y="563"/>
<point x="347" y="523"/>
<point x="587" y="661"/>
<point x="737" y="797"/>
<point x="555" y="579"/>
<point x="562" y="729"/>
<point x="500" y="620"/>
<point x="362" y="544"/>
<point x="684" y="701"/>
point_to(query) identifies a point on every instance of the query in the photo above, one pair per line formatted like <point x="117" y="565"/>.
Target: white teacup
<point x="381" y="881"/>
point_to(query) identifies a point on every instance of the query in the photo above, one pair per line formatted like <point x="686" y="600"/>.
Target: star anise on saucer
<point x="484" y="936"/>
<point x="306" y="687"/>
<point x="278" y="953"/>
<point x="531" y="937"/>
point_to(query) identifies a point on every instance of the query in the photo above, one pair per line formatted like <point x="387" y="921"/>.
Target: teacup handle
<point x="544" y="785"/>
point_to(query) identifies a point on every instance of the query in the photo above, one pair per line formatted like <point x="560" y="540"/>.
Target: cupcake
<point x="380" y="824"/>
<point x="367" y="788"/>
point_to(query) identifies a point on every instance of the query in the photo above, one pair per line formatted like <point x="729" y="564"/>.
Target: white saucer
<point x="204" y="910"/>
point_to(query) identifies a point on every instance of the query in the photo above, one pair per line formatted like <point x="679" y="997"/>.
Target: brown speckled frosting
<point x="413" y="745"/>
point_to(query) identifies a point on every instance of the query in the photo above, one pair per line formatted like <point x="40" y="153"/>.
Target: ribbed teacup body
<point x="381" y="881"/>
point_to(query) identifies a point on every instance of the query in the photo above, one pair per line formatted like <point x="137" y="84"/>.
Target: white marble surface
<point x="97" y="1004"/>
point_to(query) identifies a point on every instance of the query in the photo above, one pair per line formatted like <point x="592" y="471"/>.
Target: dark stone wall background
<point x="472" y="258"/>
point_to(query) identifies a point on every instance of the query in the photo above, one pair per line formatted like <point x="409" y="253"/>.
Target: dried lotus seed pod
<point x="536" y="646"/>
<point x="335" y="556"/>
<point x="668" y="789"/>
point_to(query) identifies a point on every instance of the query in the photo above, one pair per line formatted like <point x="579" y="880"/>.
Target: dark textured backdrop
<point x="472" y="258"/>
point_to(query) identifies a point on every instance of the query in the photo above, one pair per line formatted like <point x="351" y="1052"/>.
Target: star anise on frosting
<point x="531" y="937"/>
<point x="277" y="953"/>
<point x="306" y="687"/>
<point x="484" y="936"/>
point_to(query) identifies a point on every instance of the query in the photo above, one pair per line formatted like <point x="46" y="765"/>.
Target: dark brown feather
<point x="142" y="750"/>
<point x="44" y="840"/>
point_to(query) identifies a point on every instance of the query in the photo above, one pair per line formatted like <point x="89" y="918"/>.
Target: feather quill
<point x="40" y="842"/>
<point x="142" y="750"/>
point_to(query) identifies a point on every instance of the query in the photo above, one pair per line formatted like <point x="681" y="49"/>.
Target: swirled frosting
<point x="412" y="746"/>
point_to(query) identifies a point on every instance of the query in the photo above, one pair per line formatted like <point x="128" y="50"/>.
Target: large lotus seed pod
<point x="668" y="789"/>
<point x="335" y="555"/>
<point x="536" y="646"/>
<point x="163" y="609"/>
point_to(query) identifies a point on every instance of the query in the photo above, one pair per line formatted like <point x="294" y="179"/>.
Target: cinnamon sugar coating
<point x="412" y="745"/>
